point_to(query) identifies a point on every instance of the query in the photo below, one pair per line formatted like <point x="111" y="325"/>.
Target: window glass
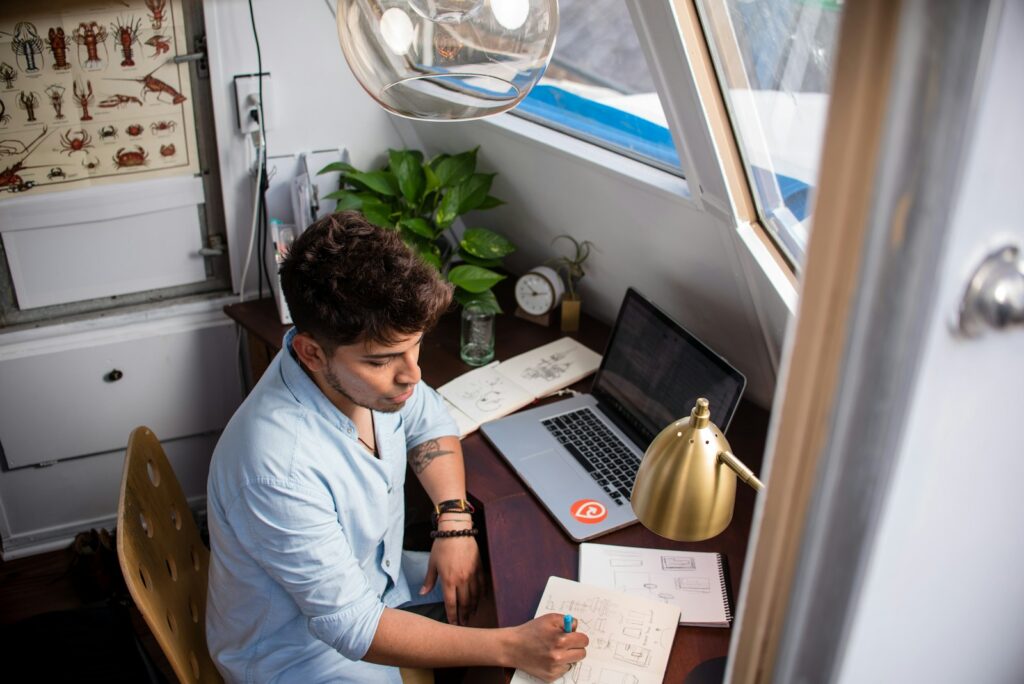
<point x="774" y="60"/>
<point x="598" y="87"/>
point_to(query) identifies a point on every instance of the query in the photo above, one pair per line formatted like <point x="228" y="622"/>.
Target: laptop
<point x="579" y="456"/>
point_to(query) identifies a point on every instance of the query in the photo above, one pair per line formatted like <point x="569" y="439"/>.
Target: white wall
<point x="649" y="235"/>
<point x="942" y="598"/>
<point x="312" y="100"/>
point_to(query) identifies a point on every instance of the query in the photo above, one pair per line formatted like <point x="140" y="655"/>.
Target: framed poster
<point x="90" y="94"/>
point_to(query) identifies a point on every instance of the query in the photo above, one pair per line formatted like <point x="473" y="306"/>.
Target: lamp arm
<point x="742" y="471"/>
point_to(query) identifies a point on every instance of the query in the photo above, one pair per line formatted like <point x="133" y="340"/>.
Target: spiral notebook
<point x="696" y="582"/>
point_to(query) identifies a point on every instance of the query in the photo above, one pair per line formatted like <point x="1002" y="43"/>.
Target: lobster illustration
<point x="156" y="13"/>
<point x="127" y="33"/>
<point x="59" y="47"/>
<point x="160" y="44"/>
<point x="8" y="75"/>
<point x="56" y="94"/>
<point x="91" y="36"/>
<point x="136" y="157"/>
<point x="9" y="178"/>
<point x="27" y="45"/>
<point x="29" y="101"/>
<point x="83" y="97"/>
<point x="152" y="84"/>
<point x="119" y="100"/>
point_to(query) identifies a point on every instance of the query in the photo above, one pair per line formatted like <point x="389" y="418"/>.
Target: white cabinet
<point x="71" y="394"/>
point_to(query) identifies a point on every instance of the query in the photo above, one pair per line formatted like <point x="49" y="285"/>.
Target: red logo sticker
<point x="589" y="511"/>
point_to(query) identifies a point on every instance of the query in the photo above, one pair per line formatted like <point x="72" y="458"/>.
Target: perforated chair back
<point x="163" y="558"/>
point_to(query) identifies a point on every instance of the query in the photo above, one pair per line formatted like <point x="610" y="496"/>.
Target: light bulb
<point x="511" y="13"/>
<point x="397" y="30"/>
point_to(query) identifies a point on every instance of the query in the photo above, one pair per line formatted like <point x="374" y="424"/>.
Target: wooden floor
<point x="77" y="577"/>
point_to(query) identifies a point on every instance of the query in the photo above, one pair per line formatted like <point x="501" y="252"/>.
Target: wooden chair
<point x="163" y="558"/>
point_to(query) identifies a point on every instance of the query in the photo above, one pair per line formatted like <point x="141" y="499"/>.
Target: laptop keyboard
<point x="598" y="450"/>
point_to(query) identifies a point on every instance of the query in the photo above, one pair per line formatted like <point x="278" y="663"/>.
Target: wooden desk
<point x="524" y="546"/>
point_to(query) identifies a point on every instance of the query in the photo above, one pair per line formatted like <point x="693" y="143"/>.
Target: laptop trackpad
<point x="552" y="471"/>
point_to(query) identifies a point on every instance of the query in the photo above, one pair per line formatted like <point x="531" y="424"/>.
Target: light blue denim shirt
<point x="306" y="531"/>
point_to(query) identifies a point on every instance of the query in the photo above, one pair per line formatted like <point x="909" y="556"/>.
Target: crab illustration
<point x="134" y="130"/>
<point x="135" y="157"/>
<point x="167" y="150"/>
<point x="91" y="163"/>
<point x="56" y="172"/>
<point x="162" y="127"/>
<point x="108" y="133"/>
<point x="71" y="143"/>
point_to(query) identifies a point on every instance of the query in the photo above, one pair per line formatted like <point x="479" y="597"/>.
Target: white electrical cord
<point x="261" y="152"/>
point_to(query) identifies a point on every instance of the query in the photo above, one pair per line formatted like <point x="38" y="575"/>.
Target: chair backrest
<point x="163" y="558"/>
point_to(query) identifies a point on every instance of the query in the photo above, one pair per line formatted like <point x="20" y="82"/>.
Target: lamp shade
<point x="447" y="60"/>
<point x="685" y="488"/>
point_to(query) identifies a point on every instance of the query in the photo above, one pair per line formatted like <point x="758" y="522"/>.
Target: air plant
<point x="572" y="266"/>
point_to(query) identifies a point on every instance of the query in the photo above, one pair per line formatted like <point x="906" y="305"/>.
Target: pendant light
<point x="447" y="60"/>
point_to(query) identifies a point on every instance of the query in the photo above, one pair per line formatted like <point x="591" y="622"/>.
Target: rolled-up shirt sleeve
<point x="295" y="536"/>
<point x="426" y="417"/>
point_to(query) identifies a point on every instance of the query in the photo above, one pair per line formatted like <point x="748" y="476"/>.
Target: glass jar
<point x="477" y="344"/>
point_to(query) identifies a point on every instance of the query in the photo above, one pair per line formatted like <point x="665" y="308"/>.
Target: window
<point x="774" y="61"/>
<point x="598" y="87"/>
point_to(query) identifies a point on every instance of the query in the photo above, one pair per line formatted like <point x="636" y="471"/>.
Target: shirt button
<point x="390" y="489"/>
<point x="387" y="563"/>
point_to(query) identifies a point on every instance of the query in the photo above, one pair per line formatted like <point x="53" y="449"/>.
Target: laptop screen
<point x="653" y="372"/>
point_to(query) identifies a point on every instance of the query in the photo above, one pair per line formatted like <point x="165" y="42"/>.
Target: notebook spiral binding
<point x="723" y="576"/>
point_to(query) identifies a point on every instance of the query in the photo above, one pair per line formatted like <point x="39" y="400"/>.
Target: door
<point x="890" y="540"/>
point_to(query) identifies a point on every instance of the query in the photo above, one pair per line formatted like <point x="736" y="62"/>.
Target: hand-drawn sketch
<point x="701" y="584"/>
<point x="678" y="563"/>
<point x="630" y="638"/>
<point x="692" y="581"/>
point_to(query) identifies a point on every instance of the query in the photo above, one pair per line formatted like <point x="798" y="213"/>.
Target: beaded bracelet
<point x="443" y="534"/>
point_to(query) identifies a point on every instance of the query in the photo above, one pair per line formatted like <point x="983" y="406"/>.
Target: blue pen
<point x="567" y="623"/>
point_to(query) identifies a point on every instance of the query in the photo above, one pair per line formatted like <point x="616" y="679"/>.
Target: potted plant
<point x="571" y="268"/>
<point x="421" y="200"/>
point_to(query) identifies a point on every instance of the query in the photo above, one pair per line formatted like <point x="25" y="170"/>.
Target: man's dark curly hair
<point x="347" y="281"/>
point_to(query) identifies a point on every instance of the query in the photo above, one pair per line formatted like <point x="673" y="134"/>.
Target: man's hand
<point x="543" y="648"/>
<point x="456" y="560"/>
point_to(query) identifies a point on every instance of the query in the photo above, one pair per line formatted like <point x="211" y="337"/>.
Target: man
<point x="305" y="496"/>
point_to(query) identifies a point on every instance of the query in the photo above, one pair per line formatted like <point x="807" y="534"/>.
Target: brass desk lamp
<point x="686" y="486"/>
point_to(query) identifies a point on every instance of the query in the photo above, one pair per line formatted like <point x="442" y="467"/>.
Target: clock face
<point x="536" y="294"/>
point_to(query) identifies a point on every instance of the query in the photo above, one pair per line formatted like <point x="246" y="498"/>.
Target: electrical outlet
<point x="247" y="102"/>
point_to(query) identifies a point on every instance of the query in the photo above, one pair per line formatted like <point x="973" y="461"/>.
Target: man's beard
<point x="335" y="384"/>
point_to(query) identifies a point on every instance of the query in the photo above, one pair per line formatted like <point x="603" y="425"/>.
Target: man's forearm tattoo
<point x="421" y="456"/>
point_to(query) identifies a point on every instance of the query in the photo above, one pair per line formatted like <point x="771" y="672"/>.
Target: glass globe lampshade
<point x="447" y="60"/>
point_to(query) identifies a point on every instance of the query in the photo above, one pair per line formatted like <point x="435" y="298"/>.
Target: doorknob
<point x="994" y="297"/>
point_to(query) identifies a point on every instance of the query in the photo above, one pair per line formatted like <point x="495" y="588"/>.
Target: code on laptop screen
<point x="654" y="371"/>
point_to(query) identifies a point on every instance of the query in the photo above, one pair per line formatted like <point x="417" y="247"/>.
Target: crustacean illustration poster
<point x="90" y="94"/>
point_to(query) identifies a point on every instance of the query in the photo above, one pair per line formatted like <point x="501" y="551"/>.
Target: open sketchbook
<point x="694" y="581"/>
<point x="503" y="387"/>
<point x="630" y="637"/>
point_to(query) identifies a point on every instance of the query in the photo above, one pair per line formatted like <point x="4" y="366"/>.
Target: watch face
<point x="535" y="294"/>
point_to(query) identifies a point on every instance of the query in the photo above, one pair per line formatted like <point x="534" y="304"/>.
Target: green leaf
<point x="407" y="167"/>
<point x="455" y="169"/>
<point x="381" y="182"/>
<point x="378" y="213"/>
<point x="448" y="210"/>
<point x="346" y="201"/>
<point x="338" y="166"/>
<point x="486" y="300"/>
<point x="490" y="202"/>
<point x="486" y="244"/>
<point x="473" y="191"/>
<point x="477" y="261"/>
<point x="474" y="278"/>
<point x="431" y="258"/>
<point x="419" y="226"/>
<point x="433" y="182"/>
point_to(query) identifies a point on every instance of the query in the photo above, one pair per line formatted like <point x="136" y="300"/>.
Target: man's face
<point x="373" y="375"/>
